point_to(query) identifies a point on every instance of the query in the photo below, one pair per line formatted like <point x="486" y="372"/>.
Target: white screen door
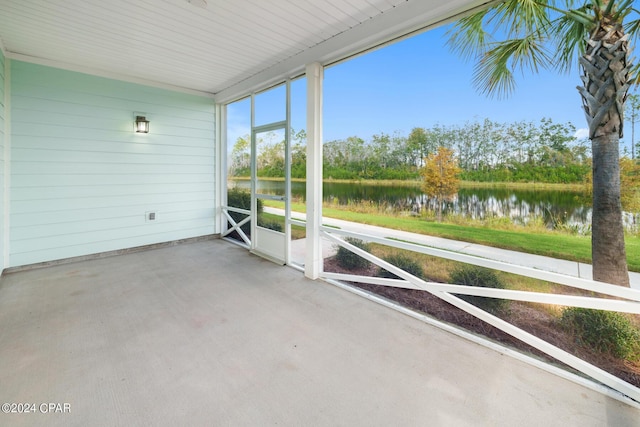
<point x="270" y="185"/>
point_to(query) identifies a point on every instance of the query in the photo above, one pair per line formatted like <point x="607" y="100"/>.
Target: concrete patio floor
<point x="205" y="334"/>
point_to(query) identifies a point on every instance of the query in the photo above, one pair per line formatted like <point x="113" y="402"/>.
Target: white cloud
<point x="581" y="133"/>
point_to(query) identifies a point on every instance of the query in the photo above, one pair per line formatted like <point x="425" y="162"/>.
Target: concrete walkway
<point x="205" y="334"/>
<point x="570" y="268"/>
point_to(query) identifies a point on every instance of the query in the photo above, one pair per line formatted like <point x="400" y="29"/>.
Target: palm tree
<point x="534" y="34"/>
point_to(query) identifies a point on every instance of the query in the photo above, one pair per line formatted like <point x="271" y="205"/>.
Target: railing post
<point x="313" y="256"/>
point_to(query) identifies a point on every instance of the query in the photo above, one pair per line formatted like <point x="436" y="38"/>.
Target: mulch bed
<point x="524" y="315"/>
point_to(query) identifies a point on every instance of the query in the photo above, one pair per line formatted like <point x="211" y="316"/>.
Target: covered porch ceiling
<point x="218" y="47"/>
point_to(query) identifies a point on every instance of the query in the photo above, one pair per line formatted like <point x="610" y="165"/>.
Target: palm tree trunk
<point x="606" y="82"/>
<point x="607" y="232"/>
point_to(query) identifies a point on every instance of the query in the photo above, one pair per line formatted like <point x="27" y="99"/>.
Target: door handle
<point x="271" y="197"/>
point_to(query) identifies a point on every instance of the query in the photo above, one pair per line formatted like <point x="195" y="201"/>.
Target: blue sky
<point x="419" y="82"/>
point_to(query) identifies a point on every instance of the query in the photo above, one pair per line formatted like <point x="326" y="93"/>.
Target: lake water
<point x="555" y="207"/>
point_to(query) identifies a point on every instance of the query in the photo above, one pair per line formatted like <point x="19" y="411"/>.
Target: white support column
<point x="313" y="258"/>
<point x="6" y="202"/>
<point x="220" y="144"/>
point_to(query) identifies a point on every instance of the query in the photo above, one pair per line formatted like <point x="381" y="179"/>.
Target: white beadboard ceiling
<point x="227" y="48"/>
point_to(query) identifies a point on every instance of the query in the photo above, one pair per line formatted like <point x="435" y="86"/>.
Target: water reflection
<point x="520" y="206"/>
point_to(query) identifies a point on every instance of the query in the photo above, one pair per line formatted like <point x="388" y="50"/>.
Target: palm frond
<point x="597" y="8"/>
<point x="633" y="28"/>
<point x="608" y="9"/>
<point x="619" y="9"/>
<point x="568" y="31"/>
<point x="623" y="8"/>
<point x="583" y="16"/>
<point x="468" y="36"/>
<point x="586" y="14"/>
<point x="521" y="17"/>
<point x="496" y="81"/>
<point x="634" y="73"/>
<point x="533" y="34"/>
<point x="493" y="75"/>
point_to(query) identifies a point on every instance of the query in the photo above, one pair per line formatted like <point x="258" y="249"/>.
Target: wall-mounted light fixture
<point x="142" y="124"/>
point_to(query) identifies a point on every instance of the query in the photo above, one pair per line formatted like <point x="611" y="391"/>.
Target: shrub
<point x="471" y="275"/>
<point x="349" y="260"/>
<point x="270" y="224"/>
<point x="605" y="331"/>
<point x="403" y="262"/>
<point x="241" y="199"/>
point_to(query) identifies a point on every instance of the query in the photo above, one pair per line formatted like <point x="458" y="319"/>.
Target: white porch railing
<point x="628" y="300"/>
<point x="236" y="226"/>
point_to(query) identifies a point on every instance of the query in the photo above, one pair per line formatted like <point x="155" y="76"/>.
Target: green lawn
<point x="297" y="232"/>
<point x="556" y="245"/>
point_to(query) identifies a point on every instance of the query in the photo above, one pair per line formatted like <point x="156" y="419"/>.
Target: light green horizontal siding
<point x="62" y="217"/>
<point x="82" y="180"/>
<point x="89" y="168"/>
<point x="19" y="206"/>
<point x="59" y="195"/>
<point x="92" y="244"/>
<point x="90" y="180"/>
<point x="95" y="232"/>
<point x="35" y="155"/>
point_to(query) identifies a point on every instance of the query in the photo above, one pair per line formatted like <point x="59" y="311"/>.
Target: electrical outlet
<point x="151" y="216"/>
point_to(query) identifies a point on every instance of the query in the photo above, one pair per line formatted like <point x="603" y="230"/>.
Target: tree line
<point x="486" y="151"/>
